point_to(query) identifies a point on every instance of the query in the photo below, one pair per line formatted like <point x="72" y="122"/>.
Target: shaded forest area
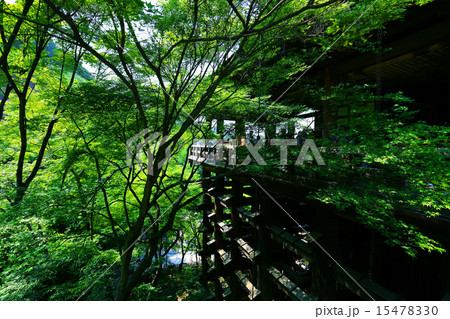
<point x="96" y="94"/>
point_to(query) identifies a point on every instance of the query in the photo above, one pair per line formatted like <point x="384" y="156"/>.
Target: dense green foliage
<point x="81" y="217"/>
<point x="376" y="164"/>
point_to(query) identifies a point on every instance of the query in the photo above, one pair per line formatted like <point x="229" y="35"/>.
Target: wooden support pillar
<point x="323" y="278"/>
<point x="265" y="245"/>
<point x="372" y="257"/>
<point x="328" y="112"/>
<point x="377" y="257"/>
<point x="206" y="224"/>
<point x="237" y="194"/>
<point x="237" y="189"/>
<point x="445" y="276"/>
<point x="218" y="209"/>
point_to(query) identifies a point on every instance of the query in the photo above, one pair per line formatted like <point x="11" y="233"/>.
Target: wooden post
<point x="207" y="227"/>
<point x="264" y="245"/>
<point x="323" y="279"/>
<point x="236" y="192"/>
<point x="218" y="209"/>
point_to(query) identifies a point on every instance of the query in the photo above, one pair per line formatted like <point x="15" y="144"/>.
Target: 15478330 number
<point x="407" y="310"/>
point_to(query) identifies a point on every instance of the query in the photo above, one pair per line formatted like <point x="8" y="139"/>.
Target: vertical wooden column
<point x="329" y="115"/>
<point x="445" y="276"/>
<point x="371" y="272"/>
<point x="264" y="245"/>
<point x="377" y="258"/>
<point x="218" y="209"/>
<point x="323" y="278"/>
<point x="237" y="195"/>
<point x="237" y="189"/>
<point x="207" y="228"/>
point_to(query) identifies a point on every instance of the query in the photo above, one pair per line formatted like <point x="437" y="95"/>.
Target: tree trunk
<point x="183" y="253"/>
<point x="20" y="193"/>
<point x="123" y="289"/>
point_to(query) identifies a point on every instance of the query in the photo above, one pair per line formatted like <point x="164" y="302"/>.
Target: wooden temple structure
<point x="253" y="249"/>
